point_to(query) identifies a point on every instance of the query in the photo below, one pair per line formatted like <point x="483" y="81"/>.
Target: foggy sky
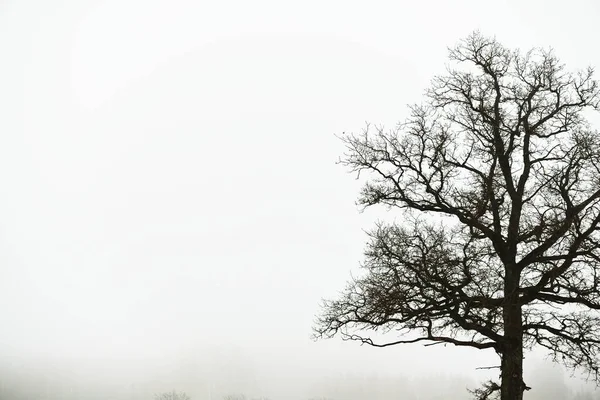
<point x="169" y="193"/>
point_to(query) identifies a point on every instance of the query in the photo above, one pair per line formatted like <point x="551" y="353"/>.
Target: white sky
<point x="167" y="168"/>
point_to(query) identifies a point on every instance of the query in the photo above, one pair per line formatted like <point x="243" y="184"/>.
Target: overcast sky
<point x="167" y="168"/>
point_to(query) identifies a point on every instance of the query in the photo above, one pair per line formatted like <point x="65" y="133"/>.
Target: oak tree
<point x="497" y="179"/>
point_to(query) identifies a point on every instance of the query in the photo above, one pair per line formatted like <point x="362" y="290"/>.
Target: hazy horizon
<point x="170" y="197"/>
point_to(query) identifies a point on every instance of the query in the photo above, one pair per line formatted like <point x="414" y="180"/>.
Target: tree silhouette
<point x="497" y="177"/>
<point x="234" y="397"/>
<point x="172" y="395"/>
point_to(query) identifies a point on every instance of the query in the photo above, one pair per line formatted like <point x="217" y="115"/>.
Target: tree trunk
<point x="512" y="386"/>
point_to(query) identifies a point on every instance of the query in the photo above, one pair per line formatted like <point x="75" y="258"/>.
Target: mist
<point x="172" y="214"/>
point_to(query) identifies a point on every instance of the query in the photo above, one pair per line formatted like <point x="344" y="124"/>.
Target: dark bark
<point x="512" y="385"/>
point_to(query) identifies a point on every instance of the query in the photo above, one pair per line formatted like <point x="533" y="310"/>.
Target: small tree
<point x="235" y="397"/>
<point x="173" y="395"/>
<point x="501" y="153"/>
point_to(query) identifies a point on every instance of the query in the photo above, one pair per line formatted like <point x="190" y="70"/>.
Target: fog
<point x="171" y="213"/>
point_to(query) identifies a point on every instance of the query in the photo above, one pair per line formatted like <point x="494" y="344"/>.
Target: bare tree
<point x="234" y="397"/>
<point x="502" y="155"/>
<point x="172" y="395"/>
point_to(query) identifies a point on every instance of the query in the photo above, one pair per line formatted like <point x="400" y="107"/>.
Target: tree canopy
<point x="497" y="177"/>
